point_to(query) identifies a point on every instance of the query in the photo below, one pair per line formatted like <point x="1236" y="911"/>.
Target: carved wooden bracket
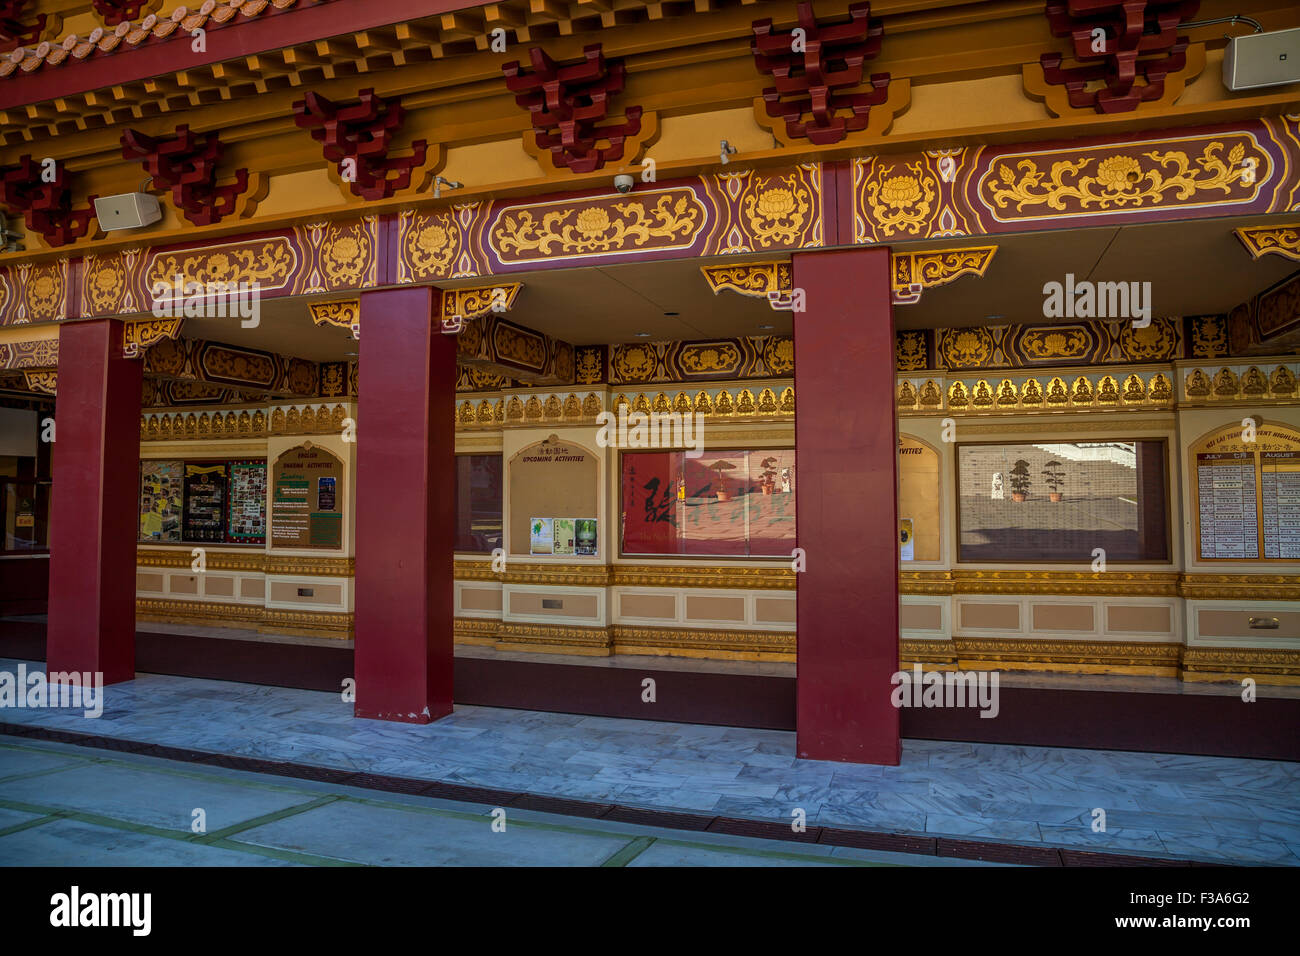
<point x="911" y="274"/>
<point x="342" y="314"/>
<point x="1282" y="240"/>
<point x="46" y="207"/>
<point x="773" y="281"/>
<point x="567" y="104"/>
<point x="1125" y="50"/>
<point x="187" y="164"/>
<point x="137" y="336"/>
<point x="814" y="73"/>
<point x="357" y="139"/>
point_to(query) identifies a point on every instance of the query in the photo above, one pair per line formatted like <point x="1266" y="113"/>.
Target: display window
<point x="1063" y="501"/>
<point x="724" y="504"/>
<point x="479" y="496"/>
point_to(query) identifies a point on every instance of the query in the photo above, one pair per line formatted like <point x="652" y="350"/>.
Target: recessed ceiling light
<point x="994" y="318"/>
<point x="643" y="335"/>
<point x="672" y="313"/>
<point x="765" y="327"/>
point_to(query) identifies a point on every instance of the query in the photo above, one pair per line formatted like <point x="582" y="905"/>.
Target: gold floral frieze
<point x="655" y="220"/>
<point x="471" y="303"/>
<point x="270" y="263"/>
<point x="1179" y="173"/>
<point x="1282" y="240"/>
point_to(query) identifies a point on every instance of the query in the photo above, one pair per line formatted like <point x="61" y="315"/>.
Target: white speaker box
<point x="1262" y="59"/>
<point x="127" y="211"/>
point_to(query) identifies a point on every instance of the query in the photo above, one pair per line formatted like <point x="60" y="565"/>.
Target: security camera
<point x="624" y="183"/>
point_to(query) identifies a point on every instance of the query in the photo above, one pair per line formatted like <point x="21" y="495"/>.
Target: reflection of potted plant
<point x="1054" y="476"/>
<point x="769" y="475"/>
<point x="720" y="466"/>
<point x="1020" y="480"/>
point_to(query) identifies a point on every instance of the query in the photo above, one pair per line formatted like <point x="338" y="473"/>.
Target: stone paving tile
<point x="984" y="827"/>
<point x="73" y="843"/>
<point x="1238" y="809"/>
<point x="11" y="818"/>
<point x="14" y="761"/>
<point x="391" y="836"/>
<point x="113" y="791"/>
<point x="667" y="854"/>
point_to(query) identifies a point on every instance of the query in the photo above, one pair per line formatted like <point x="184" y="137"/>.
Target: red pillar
<point x="846" y="438"/>
<point x="406" y="442"/>
<point x="95" y="504"/>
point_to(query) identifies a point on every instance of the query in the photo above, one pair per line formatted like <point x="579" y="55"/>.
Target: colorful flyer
<point x="585" y="536"/>
<point x="541" y="536"/>
<point x="564" y="535"/>
<point x="905" y="542"/>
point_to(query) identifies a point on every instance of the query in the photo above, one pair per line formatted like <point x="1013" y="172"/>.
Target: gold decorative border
<point x="572" y="575"/>
<point x="1281" y="665"/>
<point x="1239" y="587"/>
<point x="567" y="639"/>
<point x="648" y="575"/>
<point x="1007" y="652"/>
<point x="335" y="624"/>
<point x="227" y="615"/>
<point x="249" y="562"/>
<point x="252" y="561"/>
<point x="1130" y="583"/>
<point x="911" y="651"/>
<point x="754" y="645"/>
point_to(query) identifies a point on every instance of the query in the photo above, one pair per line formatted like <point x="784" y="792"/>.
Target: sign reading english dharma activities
<point x="306" y="495"/>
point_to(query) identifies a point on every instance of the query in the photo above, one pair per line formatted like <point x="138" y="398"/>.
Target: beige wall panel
<point x="702" y="608"/>
<point x="1004" y="616"/>
<point x="218" y="586"/>
<point x="572" y="605"/>
<point x="480" y="599"/>
<point x="1146" y="619"/>
<point x="920" y="617"/>
<point x="918" y="497"/>
<point x="662" y="606"/>
<point x="183" y="584"/>
<point x="252" y="587"/>
<point x="1218" y="622"/>
<point x="287" y="591"/>
<point x="148" y="582"/>
<point x="1064" y="617"/>
<point x="774" y="610"/>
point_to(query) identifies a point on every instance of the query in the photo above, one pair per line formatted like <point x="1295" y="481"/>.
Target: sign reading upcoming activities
<point x="1248" y="505"/>
<point x="306" y="487"/>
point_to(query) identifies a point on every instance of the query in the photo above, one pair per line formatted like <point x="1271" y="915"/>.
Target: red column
<point x="406" y="512"/>
<point x="846" y="439"/>
<point x="95" y="504"/>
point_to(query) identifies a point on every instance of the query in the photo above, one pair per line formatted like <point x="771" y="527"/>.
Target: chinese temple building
<point x="782" y="345"/>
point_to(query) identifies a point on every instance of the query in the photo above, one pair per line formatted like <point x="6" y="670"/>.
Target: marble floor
<point x="64" y="805"/>
<point x="1213" y="809"/>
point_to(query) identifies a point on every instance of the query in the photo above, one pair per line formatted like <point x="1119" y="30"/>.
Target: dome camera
<point x="624" y="183"/>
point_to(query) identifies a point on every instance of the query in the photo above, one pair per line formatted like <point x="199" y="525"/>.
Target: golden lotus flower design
<point x="219" y="266"/>
<point x="106" y="280"/>
<point x="432" y="239"/>
<point x="345" y="248"/>
<point x="592" y="221"/>
<point x="43" y="287"/>
<point x="1119" y="172"/>
<point x="900" y="191"/>
<point x="775" y="203"/>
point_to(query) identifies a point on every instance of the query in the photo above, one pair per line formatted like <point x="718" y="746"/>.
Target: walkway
<point x="1156" y="805"/>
